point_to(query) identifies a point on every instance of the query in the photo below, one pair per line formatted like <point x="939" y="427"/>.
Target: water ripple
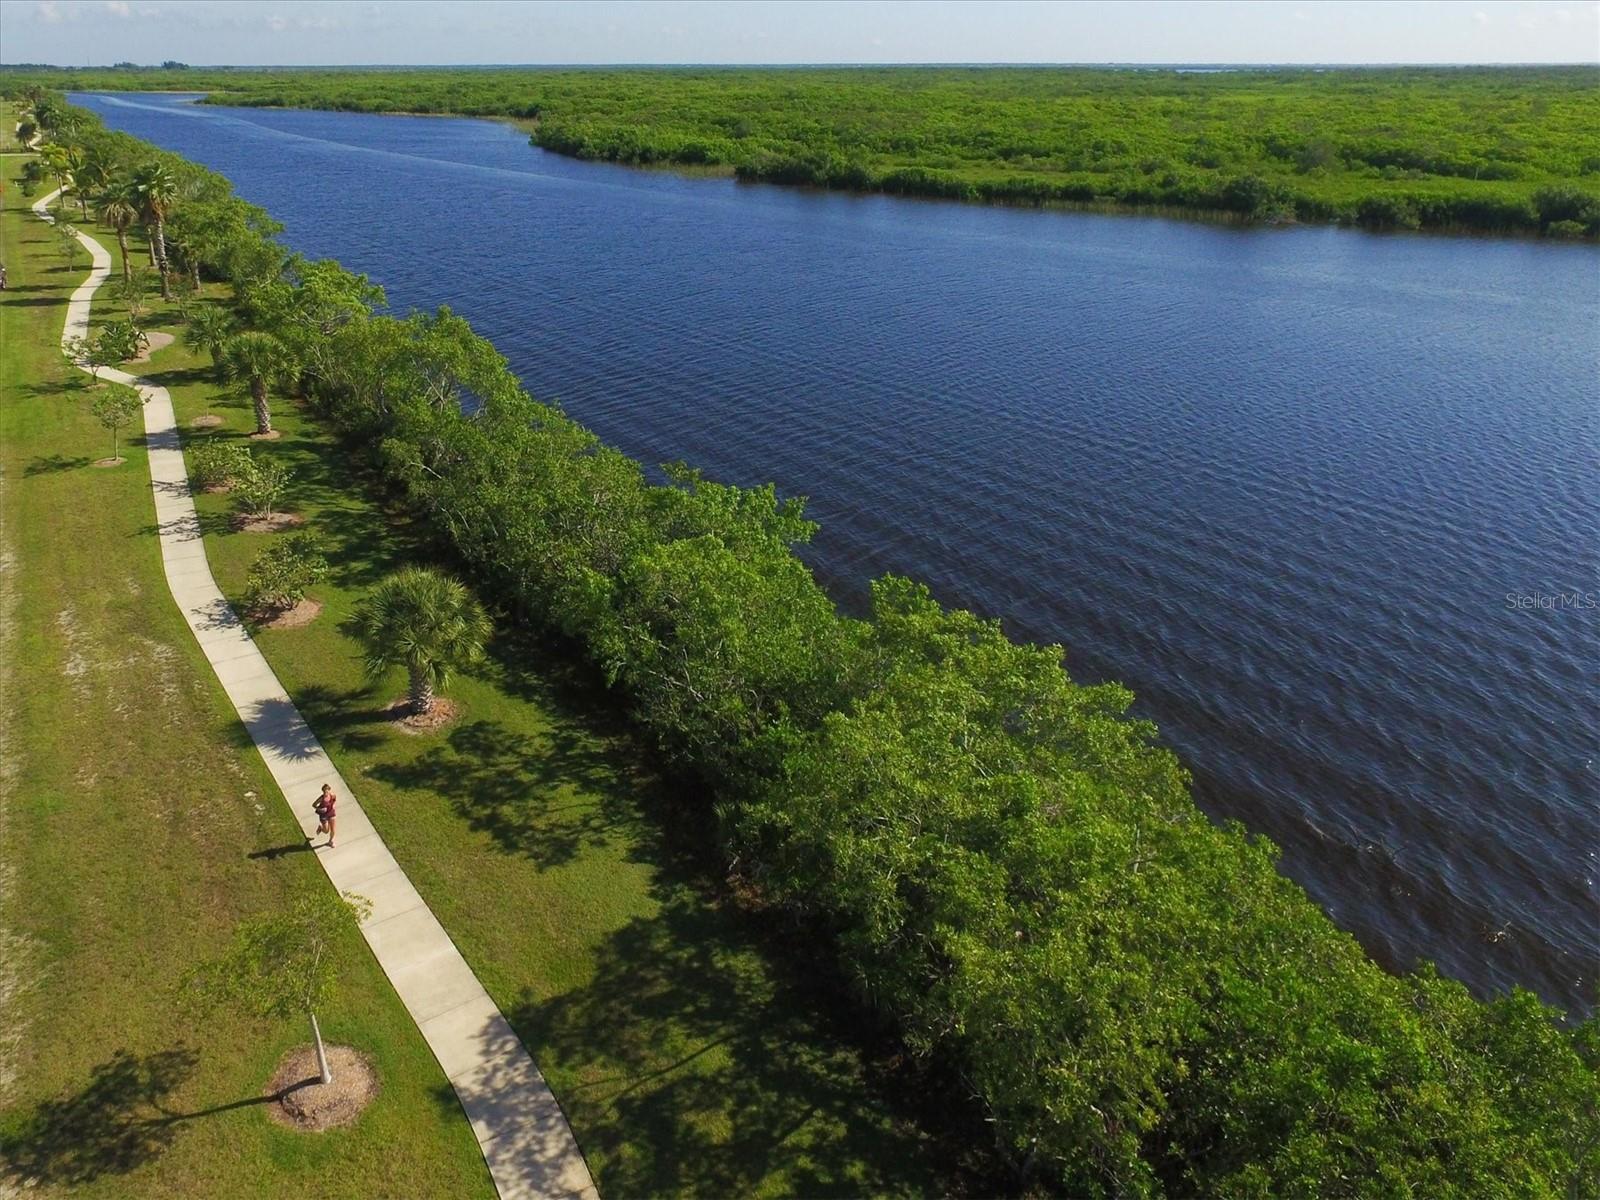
<point x="1280" y="483"/>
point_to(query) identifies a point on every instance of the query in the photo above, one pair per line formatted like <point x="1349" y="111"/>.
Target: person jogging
<point x="324" y="808"/>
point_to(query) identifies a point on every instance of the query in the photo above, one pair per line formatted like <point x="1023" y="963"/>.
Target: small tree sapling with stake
<point x="283" y="964"/>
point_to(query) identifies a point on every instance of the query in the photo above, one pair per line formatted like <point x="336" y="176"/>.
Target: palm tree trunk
<point x="161" y="258"/>
<point x="421" y="691"/>
<point x="83" y="203"/>
<point x="122" y="244"/>
<point x="258" y="393"/>
<point x="322" y="1055"/>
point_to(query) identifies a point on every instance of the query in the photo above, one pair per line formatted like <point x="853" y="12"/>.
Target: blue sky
<point x="294" y="32"/>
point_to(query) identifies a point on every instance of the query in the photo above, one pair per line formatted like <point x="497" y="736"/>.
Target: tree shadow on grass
<point x="115" y="1123"/>
<point x="112" y="1125"/>
<point x="547" y="796"/>
<point x="349" y="720"/>
<point x="687" y="1070"/>
<point x="53" y="463"/>
<point x="73" y="384"/>
<point x="176" y="377"/>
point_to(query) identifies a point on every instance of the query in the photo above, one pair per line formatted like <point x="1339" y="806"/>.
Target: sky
<point x="565" y="32"/>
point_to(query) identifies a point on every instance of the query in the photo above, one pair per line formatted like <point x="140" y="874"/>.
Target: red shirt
<point x="327" y="800"/>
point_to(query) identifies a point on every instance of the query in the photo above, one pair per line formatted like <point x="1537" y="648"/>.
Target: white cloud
<point x="119" y="8"/>
<point x="49" y="13"/>
<point x="277" y="24"/>
<point x="1481" y="17"/>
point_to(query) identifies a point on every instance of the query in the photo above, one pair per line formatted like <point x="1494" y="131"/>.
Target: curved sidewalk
<point x="520" y="1128"/>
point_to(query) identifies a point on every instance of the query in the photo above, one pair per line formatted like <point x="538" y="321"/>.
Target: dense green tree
<point x="282" y="572"/>
<point x="259" y="485"/>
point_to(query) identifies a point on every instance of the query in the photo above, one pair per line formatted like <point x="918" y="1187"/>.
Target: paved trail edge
<point x="524" y="1136"/>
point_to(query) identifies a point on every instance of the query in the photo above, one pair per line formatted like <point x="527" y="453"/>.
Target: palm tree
<point x="79" y="168"/>
<point x="425" y="622"/>
<point x="157" y="191"/>
<point x="119" y="208"/>
<point x="256" y="358"/>
<point x="92" y="174"/>
<point x="210" y="329"/>
<point x="55" y="157"/>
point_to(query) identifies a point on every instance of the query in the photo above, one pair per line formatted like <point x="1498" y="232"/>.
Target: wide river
<point x="1309" y="492"/>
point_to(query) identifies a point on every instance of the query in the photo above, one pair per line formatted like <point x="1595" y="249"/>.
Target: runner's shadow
<point x="273" y="853"/>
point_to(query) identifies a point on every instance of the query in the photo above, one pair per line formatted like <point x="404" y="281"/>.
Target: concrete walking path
<point x="525" y="1139"/>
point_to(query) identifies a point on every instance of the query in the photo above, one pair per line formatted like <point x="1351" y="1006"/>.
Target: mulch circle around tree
<point x="443" y="712"/>
<point x="251" y="523"/>
<point x="271" y="435"/>
<point x="108" y="462"/>
<point x="207" y="421"/>
<point x="295" y="617"/>
<point x="216" y="489"/>
<point x="300" y="1100"/>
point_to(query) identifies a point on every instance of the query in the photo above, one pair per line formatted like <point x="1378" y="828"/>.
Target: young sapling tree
<point x="283" y="964"/>
<point x="284" y="570"/>
<point x="115" y="409"/>
<point x="260" y="487"/>
<point x="214" y="464"/>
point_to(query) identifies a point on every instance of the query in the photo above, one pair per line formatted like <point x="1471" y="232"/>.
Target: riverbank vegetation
<point x="689" y="1059"/>
<point x="1009" y="869"/>
<point x="1506" y="149"/>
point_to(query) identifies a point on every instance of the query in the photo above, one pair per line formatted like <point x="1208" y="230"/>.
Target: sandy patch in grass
<point x="158" y="341"/>
<point x="206" y="421"/>
<point x="252" y="523"/>
<point x="301" y="1101"/>
<point x="16" y="952"/>
<point x="270" y="435"/>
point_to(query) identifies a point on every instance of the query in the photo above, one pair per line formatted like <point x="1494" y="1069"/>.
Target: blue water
<point x="1280" y="482"/>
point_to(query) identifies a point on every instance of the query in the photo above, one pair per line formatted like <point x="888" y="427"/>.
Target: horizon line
<point x="754" y="66"/>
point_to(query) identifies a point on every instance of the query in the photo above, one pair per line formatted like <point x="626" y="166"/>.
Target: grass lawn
<point x="689" y="1058"/>
<point x="137" y="825"/>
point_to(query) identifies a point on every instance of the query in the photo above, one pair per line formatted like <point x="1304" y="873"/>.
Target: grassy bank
<point x="1504" y="149"/>
<point x="138" y="826"/>
<point x="688" y="1059"/>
